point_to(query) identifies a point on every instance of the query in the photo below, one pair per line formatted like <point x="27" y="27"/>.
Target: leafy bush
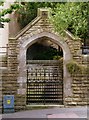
<point x="73" y="67"/>
<point x="57" y="57"/>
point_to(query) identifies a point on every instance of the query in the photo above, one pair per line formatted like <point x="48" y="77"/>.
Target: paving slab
<point x="75" y="112"/>
<point x="64" y="115"/>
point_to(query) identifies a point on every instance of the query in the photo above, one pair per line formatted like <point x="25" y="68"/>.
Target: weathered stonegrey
<point x="15" y="79"/>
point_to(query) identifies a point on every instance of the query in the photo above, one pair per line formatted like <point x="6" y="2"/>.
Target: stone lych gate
<point x="74" y="91"/>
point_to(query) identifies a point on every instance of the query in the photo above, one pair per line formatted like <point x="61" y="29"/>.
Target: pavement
<point x="55" y="112"/>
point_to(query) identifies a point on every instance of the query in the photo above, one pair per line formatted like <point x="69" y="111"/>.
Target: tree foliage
<point x="72" y="17"/>
<point x="9" y="10"/>
<point x="65" y="16"/>
<point x="29" y="11"/>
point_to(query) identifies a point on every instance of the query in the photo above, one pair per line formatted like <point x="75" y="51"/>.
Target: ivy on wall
<point x="74" y="68"/>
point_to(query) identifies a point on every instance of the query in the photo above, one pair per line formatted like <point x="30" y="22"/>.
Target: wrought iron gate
<point x="44" y="82"/>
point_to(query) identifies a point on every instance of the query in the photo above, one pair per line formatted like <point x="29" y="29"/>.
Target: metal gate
<point x="44" y="82"/>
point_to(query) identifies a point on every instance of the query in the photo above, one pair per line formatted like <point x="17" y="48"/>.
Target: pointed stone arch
<point x="66" y="57"/>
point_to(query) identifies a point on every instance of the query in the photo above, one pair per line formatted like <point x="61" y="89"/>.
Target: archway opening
<point x="44" y="49"/>
<point x="44" y="73"/>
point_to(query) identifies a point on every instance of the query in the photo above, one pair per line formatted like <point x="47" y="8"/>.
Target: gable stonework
<point x="75" y="87"/>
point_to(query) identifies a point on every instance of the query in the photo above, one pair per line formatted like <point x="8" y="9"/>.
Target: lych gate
<point x="38" y="81"/>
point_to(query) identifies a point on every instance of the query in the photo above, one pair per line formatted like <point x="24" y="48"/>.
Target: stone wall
<point x="80" y="85"/>
<point x="13" y="74"/>
<point x="80" y="93"/>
